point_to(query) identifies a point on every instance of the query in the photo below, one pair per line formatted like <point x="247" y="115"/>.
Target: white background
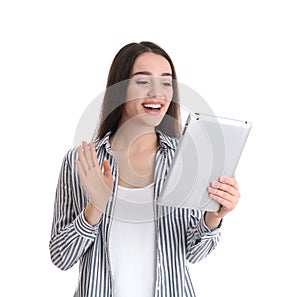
<point x="241" y="56"/>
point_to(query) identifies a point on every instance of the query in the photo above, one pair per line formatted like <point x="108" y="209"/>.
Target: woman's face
<point x="149" y="90"/>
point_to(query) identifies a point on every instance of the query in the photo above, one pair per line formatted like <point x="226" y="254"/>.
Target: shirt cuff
<point x="84" y="229"/>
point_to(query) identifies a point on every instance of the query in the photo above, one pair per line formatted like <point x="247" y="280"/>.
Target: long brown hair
<point x="116" y="89"/>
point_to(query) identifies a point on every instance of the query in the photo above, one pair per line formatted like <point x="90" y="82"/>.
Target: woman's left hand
<point x="226" y="193"/>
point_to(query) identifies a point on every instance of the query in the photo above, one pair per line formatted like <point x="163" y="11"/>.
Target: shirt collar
<point x="164" y="140"/>
<point x="167" y="141"/>
<point x="104" y="141"/>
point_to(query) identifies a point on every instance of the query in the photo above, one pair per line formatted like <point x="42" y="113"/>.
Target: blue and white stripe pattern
<point x="181" y="234"/>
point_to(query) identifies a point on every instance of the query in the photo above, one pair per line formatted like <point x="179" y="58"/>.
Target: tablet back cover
<point x="210" y="147"/>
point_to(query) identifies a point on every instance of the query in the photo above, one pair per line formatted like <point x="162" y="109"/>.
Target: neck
<point x="135" y="137"/>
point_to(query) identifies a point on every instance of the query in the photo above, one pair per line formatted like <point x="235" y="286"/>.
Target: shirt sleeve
<point x="200" y="240"/>
<point x="71" y="234"/>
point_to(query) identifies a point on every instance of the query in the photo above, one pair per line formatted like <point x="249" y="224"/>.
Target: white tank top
<point x="132" y="243"/>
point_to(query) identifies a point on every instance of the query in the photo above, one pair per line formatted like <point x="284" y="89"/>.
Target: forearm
<point x="72" y="232"/>
<point x="212" y="220"/>
<point x="201" y="240"/>
<point x="92" y="214"/>
<point x="69" y="244"/>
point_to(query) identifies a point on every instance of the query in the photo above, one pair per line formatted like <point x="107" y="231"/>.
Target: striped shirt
<point x="181" y="234"/>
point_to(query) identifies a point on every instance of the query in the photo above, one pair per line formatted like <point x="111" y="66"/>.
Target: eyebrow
<point x="149" y="73"/>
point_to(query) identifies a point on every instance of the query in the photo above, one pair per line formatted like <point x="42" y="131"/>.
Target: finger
<point x="95" y="161"/>
<point x="80" y="171"/>
<point x="223" y="202"/>
<point x="227" y="201"/>
<point x="82" y="159"/>
<point x="230" y="181"/>
<point x="225" y="192"/>
<point x="87" y="154"/>
<point x="224" y="187"/>
<point x="220" y="193"/>
<point x="107" y="169"/>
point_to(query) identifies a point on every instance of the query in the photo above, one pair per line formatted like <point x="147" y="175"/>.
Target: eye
<point x="167" y="84"/>
<point x="142" y="82"/>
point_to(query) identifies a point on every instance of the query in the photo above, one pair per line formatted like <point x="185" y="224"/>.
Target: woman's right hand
<point x="97" y="185"/>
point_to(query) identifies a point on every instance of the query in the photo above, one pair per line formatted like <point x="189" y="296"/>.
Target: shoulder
<point x="70" y="157"/>
<point x="101" y="147"/>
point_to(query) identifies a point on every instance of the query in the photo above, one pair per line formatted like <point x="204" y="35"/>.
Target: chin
<point x="152" y="121"/>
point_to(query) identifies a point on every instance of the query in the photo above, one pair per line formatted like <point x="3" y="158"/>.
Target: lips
<point x="153" y="107"/>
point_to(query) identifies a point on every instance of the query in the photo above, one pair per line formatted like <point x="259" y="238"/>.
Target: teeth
<point x="152" y="105"/>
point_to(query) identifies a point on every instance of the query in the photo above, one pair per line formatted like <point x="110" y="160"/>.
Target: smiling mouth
<point x="154" y="107"/>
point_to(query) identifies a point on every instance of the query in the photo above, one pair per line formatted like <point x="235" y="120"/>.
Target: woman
<point x="105" y="214"/>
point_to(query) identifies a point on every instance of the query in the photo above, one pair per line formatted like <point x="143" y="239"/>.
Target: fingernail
<point x="215" y="184"/>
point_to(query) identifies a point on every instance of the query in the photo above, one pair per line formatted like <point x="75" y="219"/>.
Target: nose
<point x="156" y="89"/>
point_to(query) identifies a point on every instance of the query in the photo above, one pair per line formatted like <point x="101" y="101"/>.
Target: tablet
<point x="209" y="147"/>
